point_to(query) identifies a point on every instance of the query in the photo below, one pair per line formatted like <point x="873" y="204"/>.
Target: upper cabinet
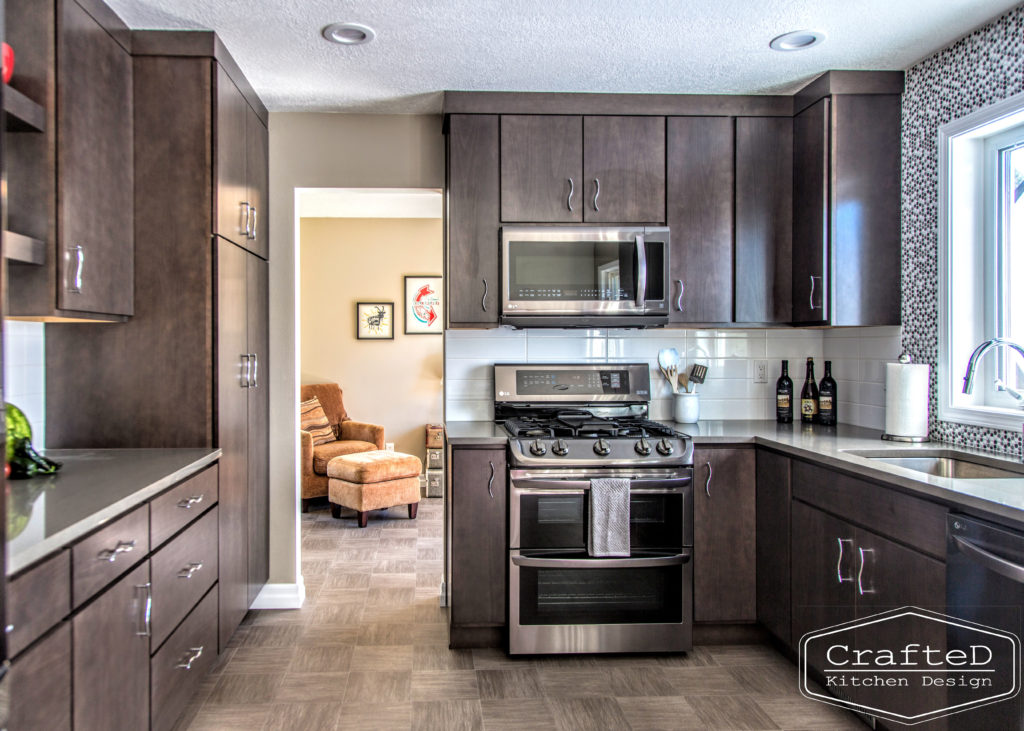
<point x="846" y="201"/>
<point x="72" y="184"/>
<point x="574" y="169"/>
<point x="241" y="190"/>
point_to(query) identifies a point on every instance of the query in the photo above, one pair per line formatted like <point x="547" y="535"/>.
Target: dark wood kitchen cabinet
<point x="773" y="544"/>
<point x="593" y="169"/>
<point x="724" y="523"/>
<point x="72" y="183"/>
<point x="40" y="684"/>
<point x="242" y="173"/>
<point x="472" y="220"/>
<point x="846" y="209"/>
<point x="764" y="219"/>
<point x="700" y="215"/>
<point x="477" y="545"/>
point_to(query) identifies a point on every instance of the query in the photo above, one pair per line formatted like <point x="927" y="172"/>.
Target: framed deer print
<point x="375" y="320"/>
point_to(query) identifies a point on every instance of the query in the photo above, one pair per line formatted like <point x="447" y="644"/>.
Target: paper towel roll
<point x="906" y="399"/>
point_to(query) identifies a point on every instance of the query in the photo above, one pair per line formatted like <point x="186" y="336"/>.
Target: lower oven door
<point x="568" y="602"/>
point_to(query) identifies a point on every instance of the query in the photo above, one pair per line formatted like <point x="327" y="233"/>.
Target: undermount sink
<point x="945" y="463"/>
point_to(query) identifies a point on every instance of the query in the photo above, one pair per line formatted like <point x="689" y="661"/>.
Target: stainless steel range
<point x="569" y="425"/>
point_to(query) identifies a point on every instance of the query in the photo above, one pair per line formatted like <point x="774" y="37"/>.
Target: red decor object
<point x="8" y="62"/>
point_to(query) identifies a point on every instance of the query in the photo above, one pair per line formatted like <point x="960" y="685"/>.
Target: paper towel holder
<point x="904" y="359"/>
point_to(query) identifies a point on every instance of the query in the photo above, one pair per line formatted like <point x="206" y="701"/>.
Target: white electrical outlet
<point x="760" y="371"/>
<point x="389" y="446"/>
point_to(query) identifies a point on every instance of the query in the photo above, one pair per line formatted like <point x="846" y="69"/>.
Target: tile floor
<point x="369" y="650"/>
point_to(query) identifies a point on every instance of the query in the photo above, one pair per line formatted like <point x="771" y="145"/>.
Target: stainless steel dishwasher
<point x="984" y="584"/>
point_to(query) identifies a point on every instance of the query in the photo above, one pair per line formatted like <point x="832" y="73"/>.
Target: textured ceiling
<point x="658" y="46"/>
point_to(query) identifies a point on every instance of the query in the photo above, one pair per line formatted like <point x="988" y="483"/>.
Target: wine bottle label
<point x="782" y="400"/>
<point x="825" y="403"/>
<point x="808" y="407"/>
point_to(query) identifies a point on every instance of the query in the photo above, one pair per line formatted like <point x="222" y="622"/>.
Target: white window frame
<point x="963" y="264"/>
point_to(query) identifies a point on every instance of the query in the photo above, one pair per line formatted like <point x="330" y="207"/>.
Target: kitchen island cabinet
<point x="477" y="545"/>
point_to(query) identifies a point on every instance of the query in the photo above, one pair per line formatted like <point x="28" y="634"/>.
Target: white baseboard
<point x="281" y="596"/>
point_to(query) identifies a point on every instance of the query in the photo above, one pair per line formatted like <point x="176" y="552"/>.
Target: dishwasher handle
<point x="998" y="564"/>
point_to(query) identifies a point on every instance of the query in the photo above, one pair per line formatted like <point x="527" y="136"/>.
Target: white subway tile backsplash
<point x="540" y="349"/>
<point x="25" y="373"/>
<point x="858" y="356"/>
<point x="461" y="390"/>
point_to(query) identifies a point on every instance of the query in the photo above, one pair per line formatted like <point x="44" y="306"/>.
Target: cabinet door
<point x="542" y="168"/>
<point x="773" y="535"/>
<point x="764" y="217"/>
<point x="811" y="213"/>
<point x="723" y="536"/>
<point x="95" y="256"/>
<point x="40" y="684"/>
<point x="623" y="169"/>
<point x="233" y="435"/>
<point x="256" y="175"/>
<point x="479" y="552"/>
<point x="231" y="208"/>
<point x="111" y="657"/>
<point x="258" y="316"/>
<point x="472" y="204"/>
<point x="823" y="570"/>
<point x="700" y="196"/>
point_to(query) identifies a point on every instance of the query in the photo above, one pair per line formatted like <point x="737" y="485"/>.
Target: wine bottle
<point x="827" y="397"/>
<point x="809" y="396"/>
<point x="784" y="396"/>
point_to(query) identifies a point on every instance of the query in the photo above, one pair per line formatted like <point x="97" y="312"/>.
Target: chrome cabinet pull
<point x="597" y="192"/>
<point x="145" y="627"/>
<point x="74" y="284"/>
<point x="255" y="370"/>
<point x="707" y="482"/>
<point x="246" y="366"/>
<point x="572" y="191"/>
<point x="679" y="299"/>
<point x="245" y="222"/>
<point x="110" y="554"/>
<point x="187" y="503"/>
<point x="253" y="225"/>
<point x="483" y="300"/>
<point x="187" y="573"/>
<point x="194" y="653"/>
<point x="839" y="561"/>
<point x="860" y="572"/>
<point x="490" y="482"/>
<point x="811" y="297"/>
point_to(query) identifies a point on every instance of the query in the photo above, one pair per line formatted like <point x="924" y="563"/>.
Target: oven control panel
<point x="535" y="382"/>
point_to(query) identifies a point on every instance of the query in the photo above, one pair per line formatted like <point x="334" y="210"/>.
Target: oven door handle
<point x="602" y="563"/>
<point x="534" y="486"/>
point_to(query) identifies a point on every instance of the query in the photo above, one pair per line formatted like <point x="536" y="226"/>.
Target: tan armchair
<point x="352" y="436"/>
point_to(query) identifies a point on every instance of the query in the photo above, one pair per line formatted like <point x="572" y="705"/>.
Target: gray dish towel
<point x="609" y="517"/>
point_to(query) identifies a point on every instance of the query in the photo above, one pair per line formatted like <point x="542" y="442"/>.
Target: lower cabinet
<point x="723" y="541"/>
<point x="477" y="545"/>
<point x="110" y="641"/>
<point x="773" y="535"/>
<point x="40" y="684"/>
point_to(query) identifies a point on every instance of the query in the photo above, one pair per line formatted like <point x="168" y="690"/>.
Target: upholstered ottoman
<point x="373" y="480"/>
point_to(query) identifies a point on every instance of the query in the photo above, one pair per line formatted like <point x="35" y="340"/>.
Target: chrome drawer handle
<point x="245" y="223"/>
<point x="572" y="189"/>
<point x="194" y="654"/>
<point x="839" y="561"/>
<point x="75" y="284"/>
<point x="110" y="554"/>
<point x="188" y="572"/>
<point x="861" y="588"/>
<point x="252" y="234"/>
<point x="490" y="481"/>
<point x="187" y="503"/>
<point x="147" y="611"/>
<point x="483" y="300"/>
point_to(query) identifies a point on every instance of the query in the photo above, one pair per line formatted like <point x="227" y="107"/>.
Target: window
<point x="981" y="273"/>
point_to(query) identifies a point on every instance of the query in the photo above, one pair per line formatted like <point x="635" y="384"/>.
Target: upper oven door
<point x="562" y="270"/>
<point x="553" y="512"/>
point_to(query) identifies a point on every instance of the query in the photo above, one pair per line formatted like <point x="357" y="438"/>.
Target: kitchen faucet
<point x="986" y="346"/>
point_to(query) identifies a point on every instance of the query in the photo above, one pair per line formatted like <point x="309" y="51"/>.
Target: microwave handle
<point x="641" y="277"/>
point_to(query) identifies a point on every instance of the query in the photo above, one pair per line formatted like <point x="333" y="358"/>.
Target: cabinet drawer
<point x="180" y="505"/>
<point x="182" y="663"/>
<point x="917" y="523"/>
<point x="36" y="600"/>
<point x="181" y="572"/>
<point x="108" y="553"/>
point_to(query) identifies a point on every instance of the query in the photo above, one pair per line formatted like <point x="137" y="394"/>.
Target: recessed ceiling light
<point x="349" y="34"/>
<point x="797" y="40"/>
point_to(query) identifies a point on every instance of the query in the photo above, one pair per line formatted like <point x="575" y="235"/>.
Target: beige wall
<point x="397" y="382"/>
<point x="317" y="150"/>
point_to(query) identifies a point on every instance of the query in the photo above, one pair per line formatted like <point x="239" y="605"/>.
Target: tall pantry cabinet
<point x="191" y="367"/>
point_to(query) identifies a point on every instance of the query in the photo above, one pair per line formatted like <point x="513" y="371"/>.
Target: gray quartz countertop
<point x="93" y="487"/>
<point x="829" y="447"/>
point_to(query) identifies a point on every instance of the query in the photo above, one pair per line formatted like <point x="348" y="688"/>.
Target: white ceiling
<point x="368" y="203"/>
<point x="424" y="47"/>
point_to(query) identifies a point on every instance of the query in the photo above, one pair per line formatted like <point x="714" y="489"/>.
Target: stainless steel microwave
<point x="584" y="276"/>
